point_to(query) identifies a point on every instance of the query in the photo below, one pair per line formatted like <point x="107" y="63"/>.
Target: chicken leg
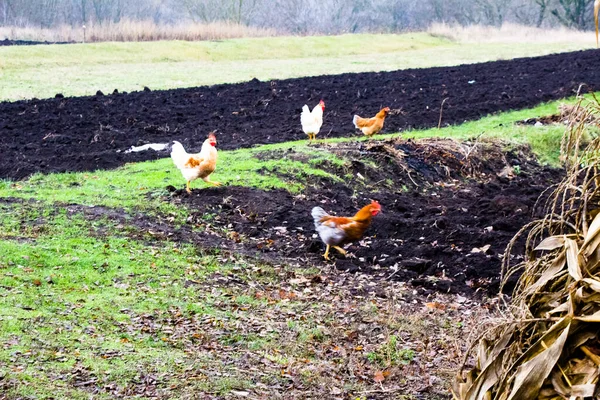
<point x="187" y="187"/>
<point x="338" y="248"/>
<point x="326" y="255"/>
<point x="214" y="183"/>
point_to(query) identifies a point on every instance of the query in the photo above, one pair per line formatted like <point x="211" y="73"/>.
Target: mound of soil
<point x="86" y="133"/>
<point x="444" y="227"/>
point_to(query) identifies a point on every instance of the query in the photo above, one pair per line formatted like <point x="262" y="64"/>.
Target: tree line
<point x="304" y="16"/>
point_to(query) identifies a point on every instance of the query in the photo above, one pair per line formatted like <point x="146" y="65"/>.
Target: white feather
<point x="311" y="120"/>
<point x="329" y="234"/>
<point x="178" y="154"/>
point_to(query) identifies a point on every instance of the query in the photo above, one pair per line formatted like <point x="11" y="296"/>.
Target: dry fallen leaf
<point x="379" y="377"/>
<point x="335" y="390"/>
<point x="298" y="281"/>
<point x="283" y="294"/>
<point x="482" y="249"/>
<point x="435" y="306"/>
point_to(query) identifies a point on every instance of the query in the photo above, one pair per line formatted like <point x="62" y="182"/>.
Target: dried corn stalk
<point x="549" y="347"/>
<point x="596" y="8"/>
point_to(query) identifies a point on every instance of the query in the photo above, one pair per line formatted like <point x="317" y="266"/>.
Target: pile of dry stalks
<point x="548" y="346"/>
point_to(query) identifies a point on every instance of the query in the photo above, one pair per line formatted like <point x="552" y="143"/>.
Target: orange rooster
<point x="371" y="126"/>
<point x="194" y="166"/>
<point x="312" y="120"/>
<point x="336" y="231"/>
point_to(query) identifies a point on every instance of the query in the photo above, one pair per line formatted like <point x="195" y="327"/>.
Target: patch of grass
<point x="141" y="186"/>
<point x="82" y="69"/>
<point x="67" y="294"/>
<point x="390" y="354"/>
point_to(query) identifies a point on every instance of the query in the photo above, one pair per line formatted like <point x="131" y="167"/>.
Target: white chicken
<point x="312" y="120"/>
<point x="194" y="166"/>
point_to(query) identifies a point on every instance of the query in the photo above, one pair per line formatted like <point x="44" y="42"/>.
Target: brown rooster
<point x="336" y="231"/>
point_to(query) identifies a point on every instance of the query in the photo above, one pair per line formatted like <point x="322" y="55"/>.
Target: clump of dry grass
<point x="135" y="31"/>
<point x="547" y="347"/>
<point x="510" y="33"/>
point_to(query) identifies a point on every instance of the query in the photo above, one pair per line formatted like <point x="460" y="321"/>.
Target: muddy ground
<point x="446" y="219"/>
<point x="75" y="134"/>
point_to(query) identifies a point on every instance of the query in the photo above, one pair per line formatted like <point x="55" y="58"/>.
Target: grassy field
<point x="82" y="69"/>
<point x="95" y="298"/>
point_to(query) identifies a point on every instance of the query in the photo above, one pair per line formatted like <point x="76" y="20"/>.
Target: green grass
<point x="82" y="69"/>
<point x="141" y="186"/>
<point x="63" y="290"/>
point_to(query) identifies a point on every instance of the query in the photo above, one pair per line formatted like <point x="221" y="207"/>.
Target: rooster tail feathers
<point x="178" y="154"/>
<point x="305" y="116"/>
<point x="177" y="149"/>
<point x="318" y="213"/>
<point x="355" y="121"/>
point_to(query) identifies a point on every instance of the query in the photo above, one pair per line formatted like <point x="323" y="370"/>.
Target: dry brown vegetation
<point x="547" y="346"/>
<point x="135" y="31"/>
<point x="510" y="33"/>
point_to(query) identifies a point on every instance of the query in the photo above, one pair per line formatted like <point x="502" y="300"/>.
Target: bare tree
<point x="80" y="7"/>
<point x="304" y="16"/>
<point x="6" y="8"/>
<point x="239" y="11"/>
<point x="574" y="13"/>
<point x="543" y="6"/>
<point x="108" y="10"/>
<point x="494" y="12"/>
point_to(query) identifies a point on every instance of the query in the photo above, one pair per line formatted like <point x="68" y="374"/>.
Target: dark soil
<point x="9" y="42"/>
<point x="433" y="236"/>
<point x="545" y="120"/>
<point x="77" y="134"/>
